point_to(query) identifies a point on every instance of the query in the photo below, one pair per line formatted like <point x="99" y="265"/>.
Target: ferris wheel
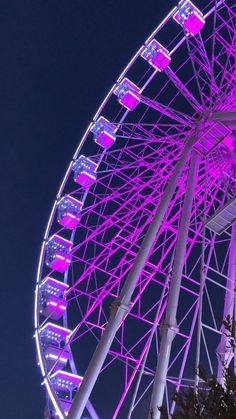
<point x="137" y="266"/>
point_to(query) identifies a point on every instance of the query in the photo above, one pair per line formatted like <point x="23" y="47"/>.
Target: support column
<point x="121" y="306"/>
<point x="169" y="327"/>
<point x="225" y="353"/>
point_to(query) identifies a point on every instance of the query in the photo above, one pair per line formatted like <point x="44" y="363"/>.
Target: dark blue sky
<point x="57" y="61"/>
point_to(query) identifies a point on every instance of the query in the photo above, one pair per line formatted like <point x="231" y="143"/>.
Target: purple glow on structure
<point x="190" y="17"/>
<point x="69" y="221"/>
<point x="66" y="405"/>
<point x="128" y="94"/>
<point x="106" y="139"/>
<point x="84" y="171"/>
<point x="104" y="133"/>
<point x="69" y="212"/>
<point x="60" y="262"/>
<point x="211" y="137"/>
<point x="130" y="100"/>
<point x="55" y="307"/>
<point x="157" y="55"/>
<point x="230" y="142"/>
<point x="58" y="256"/>
<point x="56" y="357"/>
<point x="85" y="179"/>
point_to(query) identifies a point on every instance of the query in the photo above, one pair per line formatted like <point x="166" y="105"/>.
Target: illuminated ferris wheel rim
<point x="39" y="348"/>
<point x="110" y="93"/>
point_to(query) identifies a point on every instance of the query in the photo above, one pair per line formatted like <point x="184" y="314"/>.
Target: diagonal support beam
<point x="169" y="327"/>
<point x="183" y="90"/>
<point x="121" y="306"/>
<point x="174" y="115"/>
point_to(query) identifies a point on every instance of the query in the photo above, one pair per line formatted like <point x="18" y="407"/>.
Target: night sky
<point x="57" y="61"/>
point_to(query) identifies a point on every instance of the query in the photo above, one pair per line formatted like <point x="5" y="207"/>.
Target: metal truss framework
<point x="155" y="181"/>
